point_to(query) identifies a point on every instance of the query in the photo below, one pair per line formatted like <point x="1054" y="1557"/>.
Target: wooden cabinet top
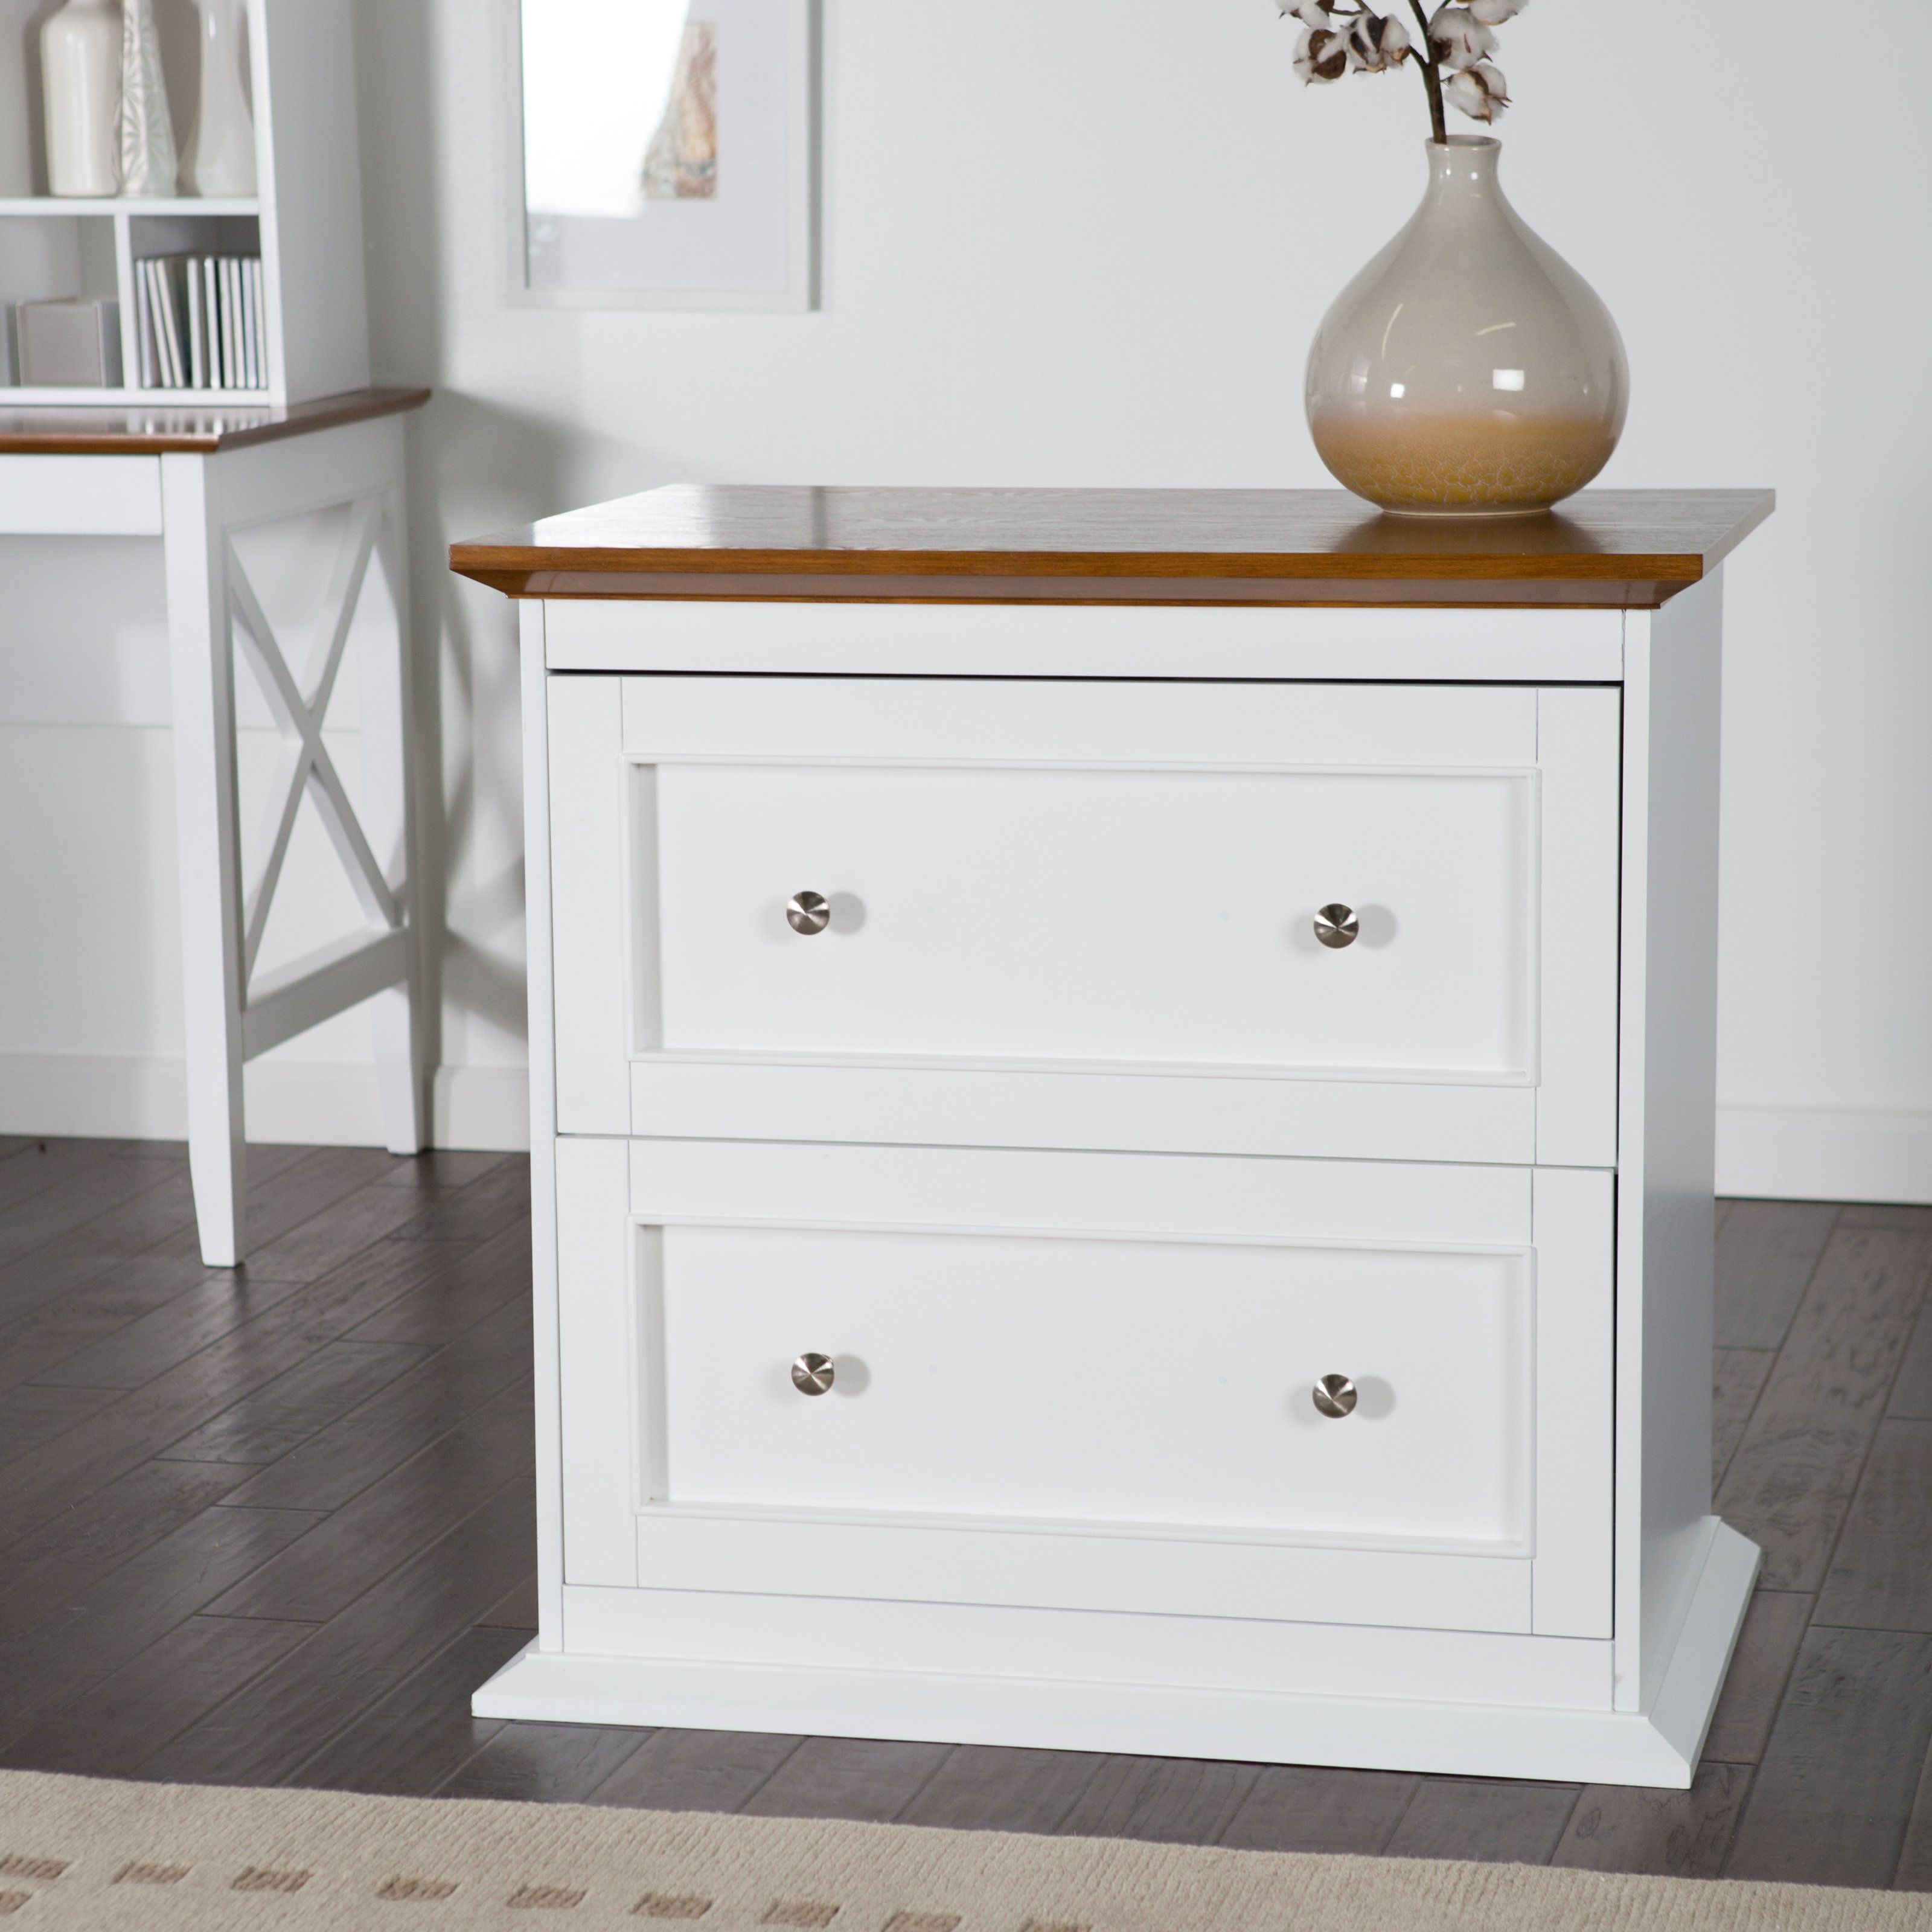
<point x="1631" y="548"/>
<point x="138" y="430"/>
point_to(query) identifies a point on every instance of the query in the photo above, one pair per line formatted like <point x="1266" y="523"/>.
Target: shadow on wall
<point x="512" y="467"/>
<point x="483" y="467"/>
<point x="427" y="94"/>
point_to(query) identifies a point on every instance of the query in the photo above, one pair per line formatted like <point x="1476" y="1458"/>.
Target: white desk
<point x="192" y="478"/>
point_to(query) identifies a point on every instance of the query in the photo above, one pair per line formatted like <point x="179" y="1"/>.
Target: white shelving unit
<point x="314" y="456"/>
<point x="305" y="224"/>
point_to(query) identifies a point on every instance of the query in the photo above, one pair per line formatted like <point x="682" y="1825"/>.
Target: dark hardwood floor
<point x="273" y="1527"/>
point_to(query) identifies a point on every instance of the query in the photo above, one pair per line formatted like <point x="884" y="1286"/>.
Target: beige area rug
<point x="81" y="1852"/>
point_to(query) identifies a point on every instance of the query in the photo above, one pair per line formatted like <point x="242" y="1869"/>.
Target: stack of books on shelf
<point x="201" y="322"/>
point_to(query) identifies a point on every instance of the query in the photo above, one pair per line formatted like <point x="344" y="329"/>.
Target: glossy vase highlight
<point x="1468" y="369"/>
<point x="220" y="158"/>
<point x="80" y="77"/>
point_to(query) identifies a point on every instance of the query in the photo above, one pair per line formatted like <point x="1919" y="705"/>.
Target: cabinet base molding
<point x="1658" y="1746"/>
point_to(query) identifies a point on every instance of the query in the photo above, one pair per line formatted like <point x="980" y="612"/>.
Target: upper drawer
<point x="1098" y="914"/>
<point x="807" y="907"/>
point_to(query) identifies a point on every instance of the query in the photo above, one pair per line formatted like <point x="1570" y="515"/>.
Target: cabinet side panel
<point x="1668" y="1119"/>
<point x="586" y="811"/>
<point x="598" y="1363"/>
<point x="543" y="1133"/>
<point x="1579" y="737"/>
<point x="1575" y="1334"/>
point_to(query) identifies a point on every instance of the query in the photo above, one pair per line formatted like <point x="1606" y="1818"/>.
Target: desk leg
<point x="399" y="1017"/>
<point x="210" y="857"/>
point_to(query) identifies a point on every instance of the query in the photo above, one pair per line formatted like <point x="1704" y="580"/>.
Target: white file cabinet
<point x="1124" y="1154"/>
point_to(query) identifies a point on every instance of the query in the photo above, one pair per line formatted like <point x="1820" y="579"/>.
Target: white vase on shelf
<point x="80" y="80"/>
<point x="220" y="158"/>
<point x="148" y="163"/>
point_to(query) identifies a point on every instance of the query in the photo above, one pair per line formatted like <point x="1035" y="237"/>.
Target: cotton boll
<point x="1458" y="39"/>
<point x="1494" y="13"/>
<point x="1321" y="54"/>
<point x="1479" y="91"/>
<point x="1310" y="13"/>
<point x="1375" y="44"/>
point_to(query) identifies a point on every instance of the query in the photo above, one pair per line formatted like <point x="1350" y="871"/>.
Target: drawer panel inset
<point x="1102" y="916"/>
<point x="1374" y="1396"/>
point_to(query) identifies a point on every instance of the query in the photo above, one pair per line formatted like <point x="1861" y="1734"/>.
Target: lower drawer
<point x="1246" y="1385"/>
<point x="1316" y="1390"/>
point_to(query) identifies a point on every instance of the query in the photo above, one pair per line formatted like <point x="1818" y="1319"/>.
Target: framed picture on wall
<point x="666" y="154"/>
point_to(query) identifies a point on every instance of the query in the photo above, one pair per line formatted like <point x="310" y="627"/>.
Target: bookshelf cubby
<point x="304" y="224"/>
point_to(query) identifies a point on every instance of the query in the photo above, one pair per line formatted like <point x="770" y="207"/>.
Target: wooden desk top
<point x="1613" y="547"/>
<point x="131" y="429"/>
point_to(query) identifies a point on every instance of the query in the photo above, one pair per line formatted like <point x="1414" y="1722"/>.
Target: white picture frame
<point x="603" y="215"/>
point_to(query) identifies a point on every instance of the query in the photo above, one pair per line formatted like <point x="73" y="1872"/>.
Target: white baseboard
<point x="305" y="1103"/>
<point x="1825" y="1153"/>
<point x="484" y="1108"/>
<point x="1787" y="1153"/>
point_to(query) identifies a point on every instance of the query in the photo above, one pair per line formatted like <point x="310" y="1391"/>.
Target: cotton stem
<point x="1432" y="76"/>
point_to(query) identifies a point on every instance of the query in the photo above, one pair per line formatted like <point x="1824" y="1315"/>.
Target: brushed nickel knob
<point x="808" y="913"/>
<point x="813" y="1374"/>
<point x="1336" y="926"/>
<point x="1335" y="1396"/>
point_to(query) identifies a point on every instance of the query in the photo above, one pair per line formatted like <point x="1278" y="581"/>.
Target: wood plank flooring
<point x="273" y="1526"/>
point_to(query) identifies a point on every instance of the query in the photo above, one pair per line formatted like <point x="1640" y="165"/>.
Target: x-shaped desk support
<point x="300" y="722"/>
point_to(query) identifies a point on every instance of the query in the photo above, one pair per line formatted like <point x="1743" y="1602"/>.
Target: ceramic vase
<point x="147" y="164"/>
<point x="80" y="80"/>
<point x="220" y="158"/>
<point x="1468" y="369"/>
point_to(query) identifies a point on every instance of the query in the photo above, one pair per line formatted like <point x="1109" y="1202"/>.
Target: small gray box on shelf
<point x="73" y="344"/>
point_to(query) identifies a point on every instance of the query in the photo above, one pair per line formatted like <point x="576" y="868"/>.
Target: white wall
<point x="1087" y="241"/>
